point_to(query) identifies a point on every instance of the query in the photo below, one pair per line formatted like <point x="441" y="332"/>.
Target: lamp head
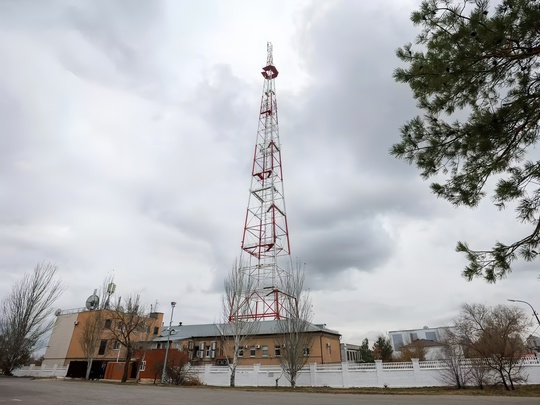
<point x="173" y="304"/>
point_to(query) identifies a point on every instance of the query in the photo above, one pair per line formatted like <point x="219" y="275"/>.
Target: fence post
<point x="256" y="369"/>
<point x="313" y="374"/>
<point x="345" y="374"/>
<point x="379" y="369"/>
<point x="207" y="373"/>
<point x="417" y="372"/>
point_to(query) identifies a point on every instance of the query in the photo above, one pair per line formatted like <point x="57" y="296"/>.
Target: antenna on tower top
<point x="270" y="56"/>
<point x="269" y="71"/>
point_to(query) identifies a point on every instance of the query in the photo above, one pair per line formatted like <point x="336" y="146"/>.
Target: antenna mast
<point x="266" y="235"/>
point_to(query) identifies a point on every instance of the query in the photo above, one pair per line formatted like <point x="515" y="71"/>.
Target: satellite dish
<point x="92" y="302"/>
<point x="57" y="312"/>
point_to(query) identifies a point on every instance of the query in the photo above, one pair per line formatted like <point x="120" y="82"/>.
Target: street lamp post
<point x="173" y="304"/>
<point x="534" y="312"/>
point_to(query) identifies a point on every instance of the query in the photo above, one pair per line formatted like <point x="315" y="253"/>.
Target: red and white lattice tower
<point x="265" y="243"/>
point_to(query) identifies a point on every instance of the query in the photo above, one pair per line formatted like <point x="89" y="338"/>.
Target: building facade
<point x="65" y="349"/>
<point x="211" y="344"/>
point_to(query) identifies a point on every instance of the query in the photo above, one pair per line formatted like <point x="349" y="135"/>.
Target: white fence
<point x="345" y="375"/>
<point x="41" y="371"/>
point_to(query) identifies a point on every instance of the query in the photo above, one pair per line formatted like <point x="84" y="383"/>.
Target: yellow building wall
<point x="325" y="348"/>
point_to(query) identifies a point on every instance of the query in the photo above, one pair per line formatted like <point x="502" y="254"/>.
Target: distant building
<point x="350" y="353"/>
<point x="429" y="338"/>
<point x="533" y="344"/>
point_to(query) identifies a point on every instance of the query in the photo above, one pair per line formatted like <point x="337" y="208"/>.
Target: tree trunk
<point x="126" y="365"/>
<point x="293" y="380"/>
<point x="233" y="377"/>
<point x="88" y="368"/>
<point x="504" y="380"/>
<point x="139" y="367"/>
<point x="511" y="381"/>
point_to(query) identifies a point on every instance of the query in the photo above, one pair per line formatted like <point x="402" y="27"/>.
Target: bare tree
<point x="25" y="315"/>
<point x="494" y="335"/>
<point x="129" y="323"/>
<point x="92" y="330"/>
<point x="238" y="327"/>
<point x="90" y="338"/>
<point x="455" y="372"/>
<point x="478" y="372"/>
<point x="177" y="367"/>
<point x="143" y="345"/>
<point x="417" y="349"/>
<point x="293" y="331"/>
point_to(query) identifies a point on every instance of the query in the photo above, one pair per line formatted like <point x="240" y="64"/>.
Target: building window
<point x="116" y="345"/>
<point x="102" y="347"/>
<point x="108" y="323"/>
<point x="143" y="365"/>
<point x="241" y="352"/>
<point x="398" y="342"/>
<point x="208" y="351"/>
<point x="156" y="330"/>
<point x="277" y="350"/>
<point x="306" y="350"/>
<point x="265" y="351"/>
<point x="252" y="351"/>
<point x="431" y="336"/>
<point x="413" y="336"/>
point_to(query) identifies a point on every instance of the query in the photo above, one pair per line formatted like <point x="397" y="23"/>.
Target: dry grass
<point x="521" y="391"/>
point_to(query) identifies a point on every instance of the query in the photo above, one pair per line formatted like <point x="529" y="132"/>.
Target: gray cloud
<point x="126" y="137"/>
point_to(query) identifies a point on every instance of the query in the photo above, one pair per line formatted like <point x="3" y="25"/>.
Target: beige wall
<point x="60" y="340"/>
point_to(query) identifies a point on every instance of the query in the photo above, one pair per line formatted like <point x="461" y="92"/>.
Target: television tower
<point x="266" y="234"/>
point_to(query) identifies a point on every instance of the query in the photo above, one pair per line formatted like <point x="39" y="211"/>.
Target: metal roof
<point x="181" y="332"/>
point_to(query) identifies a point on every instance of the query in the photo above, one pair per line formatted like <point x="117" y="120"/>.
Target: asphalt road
<point x="58" y="392"/>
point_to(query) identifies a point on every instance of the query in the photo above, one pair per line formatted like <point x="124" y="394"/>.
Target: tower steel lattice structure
<point x="265" y="241"/>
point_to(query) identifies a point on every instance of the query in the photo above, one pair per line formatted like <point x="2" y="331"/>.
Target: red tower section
<point x="266" y="234"/>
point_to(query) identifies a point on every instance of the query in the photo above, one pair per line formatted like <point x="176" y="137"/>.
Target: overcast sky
<point x="126" y="136"/>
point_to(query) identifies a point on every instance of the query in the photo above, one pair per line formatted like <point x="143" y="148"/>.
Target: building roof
<point x="181" y="332"/>
<point x="418" y="329"/>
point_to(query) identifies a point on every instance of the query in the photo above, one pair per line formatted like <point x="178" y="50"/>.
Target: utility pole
<point x="173" y="304"/>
